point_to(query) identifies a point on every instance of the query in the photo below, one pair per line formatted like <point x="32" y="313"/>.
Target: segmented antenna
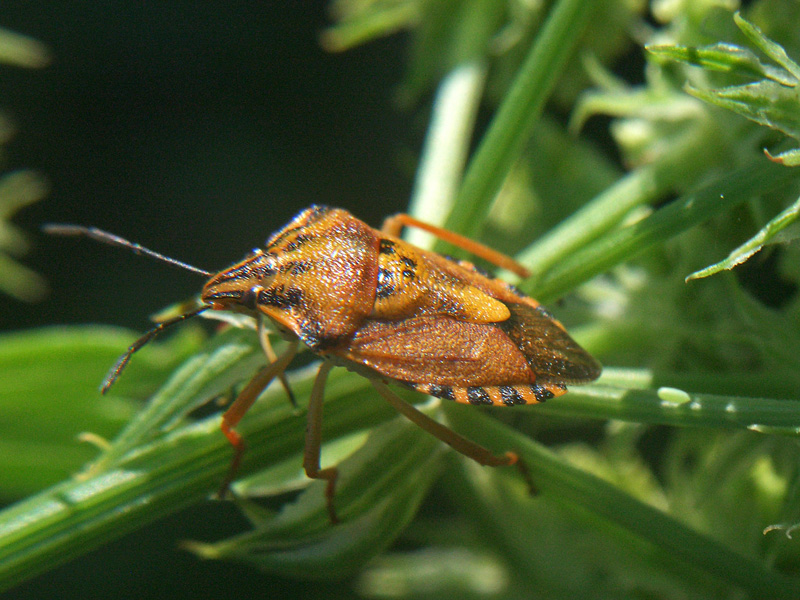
<point x="116" y="370"/>
<point x="115" y="240"/>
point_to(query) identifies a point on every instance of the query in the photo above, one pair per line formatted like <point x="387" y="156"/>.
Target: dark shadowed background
<point x="195" y="129"/>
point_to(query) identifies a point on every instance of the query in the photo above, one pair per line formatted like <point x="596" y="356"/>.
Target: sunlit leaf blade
<point x="772" y="49"/>
<point x="17" y="190"/>
<point x="581" y="490"/>
<point x="766" y="102"/>
<point x="781" y="229"/>
<point x="726" y="58"/>
<point x="356" y="27"/>
<point x="21" y="50"/>
<point x="685" y="212"/>
<point x="788" y="158"/>
<point x="163" y="474"/>
<point x="516" y="116"/>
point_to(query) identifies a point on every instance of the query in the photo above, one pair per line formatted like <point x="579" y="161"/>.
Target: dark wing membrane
<point x="551" y="353"/>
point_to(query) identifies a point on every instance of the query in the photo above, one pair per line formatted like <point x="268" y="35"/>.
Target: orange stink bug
<point x="373" y="303"/>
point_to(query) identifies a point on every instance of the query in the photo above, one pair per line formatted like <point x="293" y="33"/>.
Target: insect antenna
<point x="114" y="240"/>
<point x="116" y="370"/>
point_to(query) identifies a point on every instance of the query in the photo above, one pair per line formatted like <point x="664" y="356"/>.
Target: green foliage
<point x="673" y="476"/>
<point x="18" y="189"/>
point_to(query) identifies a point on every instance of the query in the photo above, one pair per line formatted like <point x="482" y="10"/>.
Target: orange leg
<point x="242" y="404"/>
<point x="394" y="225"/>
<point x="266" y="346"/>
<point x="311" y="453"/>
<point x="457" y="442"/>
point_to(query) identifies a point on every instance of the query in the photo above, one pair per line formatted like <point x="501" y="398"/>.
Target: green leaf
<point x="767" y="46"/>
<point x="17" y="190"/>
<point x="168" y="469"/>
<point x="21" y="50"/>
<point x="683" y="213"/>
<point x="378" y="491"/>
<point x="726" y="58"/>
<point x="781" y="229"/>
<point x="513" y="123"/>
<point x="360" y="23"/>
<point x="773" y="101"/>
<point x="766" y="103"/>
<point x="580" y="490"/>
<point x="42" y="416"/>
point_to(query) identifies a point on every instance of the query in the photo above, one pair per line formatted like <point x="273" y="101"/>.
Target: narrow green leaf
<point x="772" y="49"/>
<point x="788" y="158"/>
<point x="378" y="491"/>
<point x="685" y="212"/>
<point x="358" y="27"/>
<point x="446" y="145"/>
<point x="766" y="103"/>
<point x="575" y="487"/>
<point x="49" y="395"/>
<point x="727" y="58"/>
<point x="21" y="50"/>
<point x="659" y="406"/>
<point x="177" y="468"/>
<point x="776" y="231"/>
<point x="515" y="118"/>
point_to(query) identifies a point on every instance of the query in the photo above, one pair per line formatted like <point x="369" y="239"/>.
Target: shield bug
<point x="367" y="300"/>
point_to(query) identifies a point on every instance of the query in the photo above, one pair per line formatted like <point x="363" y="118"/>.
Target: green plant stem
<point x="717" y="196"/>
<point x="515" y="118"/>
<point x="446" y="146"/>
<point x="780" y="385"/>
<point x="553" y="475"/>
<point x="639" y="187"/>
<point x="157" y="479"/>
<point x="691" y="410"/>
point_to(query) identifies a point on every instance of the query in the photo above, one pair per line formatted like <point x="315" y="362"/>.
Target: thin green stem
<point x="638" y="187"/>
<point x="515" y="118"/>
<point x="713" y="198"/>
<point x="446" y="147"/>
<point x="159" y="478"/>
<point x="673" y="406"/>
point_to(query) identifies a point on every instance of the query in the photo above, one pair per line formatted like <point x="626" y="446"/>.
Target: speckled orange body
<point x="369" y="301"/>
<point x="380" y="306"/>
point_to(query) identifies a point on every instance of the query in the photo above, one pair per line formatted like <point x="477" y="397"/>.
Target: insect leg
<point x="242" y="404"/>
<point x="311" y="453"/>
<point x="393" y="226"/>
<point x="448" y="436"/>
<point x="456" y="441"/>
<point x="266" y="346"/>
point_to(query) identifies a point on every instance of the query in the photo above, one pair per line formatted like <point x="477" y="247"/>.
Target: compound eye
<point x="250" y="297"/>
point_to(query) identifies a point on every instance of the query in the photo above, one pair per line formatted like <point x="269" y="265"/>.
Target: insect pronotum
<point x="367" y="300"/>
